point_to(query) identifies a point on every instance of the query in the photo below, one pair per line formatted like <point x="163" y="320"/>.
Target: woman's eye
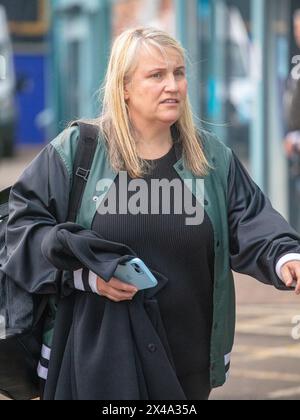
<point x="179" y="73"/>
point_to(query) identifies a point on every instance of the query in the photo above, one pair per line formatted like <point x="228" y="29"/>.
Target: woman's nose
<point x="171" y="83"/>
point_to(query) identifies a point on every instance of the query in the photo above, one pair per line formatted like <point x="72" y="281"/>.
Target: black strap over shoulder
<point x="85" y="152"/>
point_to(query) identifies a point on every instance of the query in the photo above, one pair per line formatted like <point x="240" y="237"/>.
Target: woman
<point x="147" y="132"/>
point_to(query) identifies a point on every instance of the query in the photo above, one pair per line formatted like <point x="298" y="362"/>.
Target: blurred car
<point x="7" y="90"/>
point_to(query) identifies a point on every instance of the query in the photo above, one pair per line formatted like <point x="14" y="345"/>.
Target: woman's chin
<point x="170" y="119"/>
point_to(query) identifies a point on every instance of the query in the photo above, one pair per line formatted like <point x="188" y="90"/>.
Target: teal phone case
<point x="136" y="273"/>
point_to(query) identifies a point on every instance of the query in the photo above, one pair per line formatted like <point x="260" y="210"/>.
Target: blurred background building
<point x="28" y="23"/>
<point x="242" y="56"/>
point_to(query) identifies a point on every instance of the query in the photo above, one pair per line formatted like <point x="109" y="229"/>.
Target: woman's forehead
<point x="153" y="57"/>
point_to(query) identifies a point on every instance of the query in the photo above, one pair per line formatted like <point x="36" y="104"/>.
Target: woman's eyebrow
<point x="165" y="68"/>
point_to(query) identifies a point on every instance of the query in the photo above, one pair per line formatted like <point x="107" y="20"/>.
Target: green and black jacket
<point x="249" y="235"/>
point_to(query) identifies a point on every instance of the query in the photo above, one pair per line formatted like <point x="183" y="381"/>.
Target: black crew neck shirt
<point x="184" y="254"/>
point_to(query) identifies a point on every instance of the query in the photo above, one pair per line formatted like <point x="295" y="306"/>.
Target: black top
<point x="184" y="254"/>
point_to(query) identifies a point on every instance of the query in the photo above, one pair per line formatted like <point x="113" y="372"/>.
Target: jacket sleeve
<point x="259" y="236"/>
<point x="38" y="201"/>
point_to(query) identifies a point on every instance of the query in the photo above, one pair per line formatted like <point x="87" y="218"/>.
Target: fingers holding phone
<point x="115" y="289"/>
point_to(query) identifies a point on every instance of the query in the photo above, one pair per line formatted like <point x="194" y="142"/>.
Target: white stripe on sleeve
<point x="93" y="282"/>
<point x="78" y="283"/>
<point x="42" y="372"/>
<point x="46" y="352"/>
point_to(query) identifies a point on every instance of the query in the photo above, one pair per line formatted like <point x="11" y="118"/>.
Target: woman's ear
<point x="127" y="86"/>
<point x="126" y="92"/>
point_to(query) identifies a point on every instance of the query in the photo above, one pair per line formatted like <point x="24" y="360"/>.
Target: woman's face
<point x="157" y="89"/>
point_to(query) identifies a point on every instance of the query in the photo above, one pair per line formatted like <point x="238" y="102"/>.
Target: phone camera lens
<point x="137" y="268"/>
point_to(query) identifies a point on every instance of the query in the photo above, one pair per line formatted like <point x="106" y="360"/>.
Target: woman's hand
<point x="115" y="289"/>
<point x="290" y="272"/>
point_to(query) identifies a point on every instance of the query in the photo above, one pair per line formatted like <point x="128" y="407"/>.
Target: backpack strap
<point x="84" y="156"/>
<point x="83" y="160"/>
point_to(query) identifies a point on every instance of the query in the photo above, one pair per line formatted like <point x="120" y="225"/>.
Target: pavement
<point x="265" y="362"/>
<point x="10" y="169"/>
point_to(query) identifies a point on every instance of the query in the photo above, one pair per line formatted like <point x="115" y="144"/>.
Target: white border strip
<point x="46" y="352"/>
<point x="93" y="282"/>
<point x="78" y="283"/>
<point x="227" y="358"/>
<point x="42" y="371"/>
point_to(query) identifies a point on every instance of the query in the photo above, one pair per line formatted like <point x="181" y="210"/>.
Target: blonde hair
<point x="114" y="121"/>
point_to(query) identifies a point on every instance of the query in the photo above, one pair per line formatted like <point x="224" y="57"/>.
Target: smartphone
<point x="136" y="273"/>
